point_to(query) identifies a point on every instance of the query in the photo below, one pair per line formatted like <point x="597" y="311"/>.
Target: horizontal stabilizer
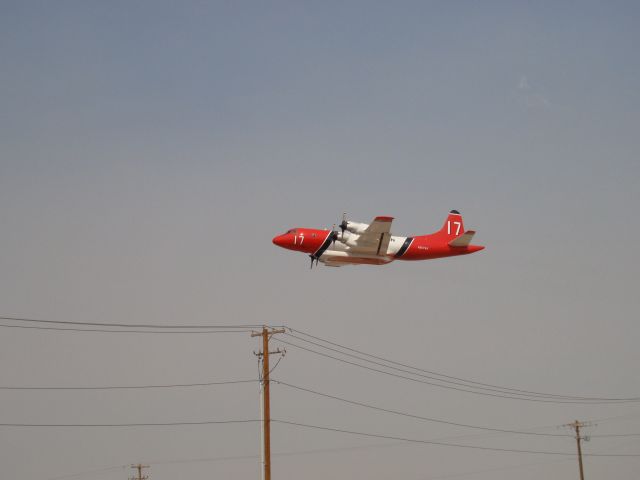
<point x="463" y="240"/>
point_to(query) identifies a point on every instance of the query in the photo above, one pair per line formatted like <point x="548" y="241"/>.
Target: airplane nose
<point x="278" y="240"/>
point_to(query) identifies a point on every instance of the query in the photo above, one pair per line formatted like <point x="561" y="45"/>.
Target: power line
<point x="296" y="387"/>
<point x="151" y="424"/>
<point x="466" y="382"/>
<point x="418" y="374"/>
<point x="96" y="330"/>
<point x="293" y="453"/>
<point x="417" y="380"/>
<point x="469" y="386"/>
<point x="134" y="387"/>
<point x="418" y="417"/>
<point x="416" y="368"/>
<point x="446" y="444"/>
<point x="232" y="457"/>
<point x="127" y="325"/>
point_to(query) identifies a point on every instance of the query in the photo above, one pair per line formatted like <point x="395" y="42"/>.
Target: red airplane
<point x="373" y="244"/>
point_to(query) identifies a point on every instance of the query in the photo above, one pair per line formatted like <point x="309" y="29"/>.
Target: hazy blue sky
<point x="151" y="150"/>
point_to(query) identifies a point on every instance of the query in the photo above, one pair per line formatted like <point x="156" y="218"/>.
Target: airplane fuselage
<point x="335" y="249"/>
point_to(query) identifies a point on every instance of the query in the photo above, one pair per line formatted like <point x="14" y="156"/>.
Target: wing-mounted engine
<point x="353" y="227"/>
<point x="349" y="239"/>
<point x="351" y="231"/>
<point x="367" y="238"/>
<point x="357" y="228"/>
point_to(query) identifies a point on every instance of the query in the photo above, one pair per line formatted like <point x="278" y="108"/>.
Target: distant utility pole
<point x="577" y="426"/>
<point x="266" y="334"/>
<point x="139" y="467"/>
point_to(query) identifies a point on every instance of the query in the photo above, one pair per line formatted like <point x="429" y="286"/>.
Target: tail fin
<point x="463" y="240"/>
<point x="453" y="226"/>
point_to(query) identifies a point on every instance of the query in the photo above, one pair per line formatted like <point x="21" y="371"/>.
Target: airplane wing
<point x="375" y="239"/>
<point x="334" y="264"/>
<point x="463" y="240"/>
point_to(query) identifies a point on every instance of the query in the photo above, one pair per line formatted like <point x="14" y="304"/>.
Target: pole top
<point x="268" y="331"/>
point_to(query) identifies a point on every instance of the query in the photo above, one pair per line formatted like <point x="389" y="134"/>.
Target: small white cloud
<point x="523" y="84"/>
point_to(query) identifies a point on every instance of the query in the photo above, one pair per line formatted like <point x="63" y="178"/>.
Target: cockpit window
<point x="293" y="230"/>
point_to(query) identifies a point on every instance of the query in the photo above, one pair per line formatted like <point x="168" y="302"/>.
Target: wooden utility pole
<point x="139" y="467"/>
<point x="577" y="426"/>
<point x="266" y="415"/>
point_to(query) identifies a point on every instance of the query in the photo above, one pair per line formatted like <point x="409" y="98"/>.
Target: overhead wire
<point x="127" y="325"/>
<point x="418" y="417"/>
<point x="443" y="380"/>
<point x="471" y="386"/>
<point x="315" y="427"/>
<point x="445" y="422"/>
<point x="231" y="458"/>
<point x="314" y="392"/>
<point x="273" y="454"/>
<point x="143" y="424"/>
<point x="449" y="387"/>
<point x="407" y="371"/>
<point x="458" y="380"/>
<point x="303" y="452"/>
<point x="418" y="368"/>
<point x="296" y="387"/>
<point x="130" y="387"/>
<point x="276" y="365"/>
<point x="96" y="330"/>
<point x="445" y="444"/>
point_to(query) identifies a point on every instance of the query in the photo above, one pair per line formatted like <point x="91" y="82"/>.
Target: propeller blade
<point x="344" y="224"/>
<point x="334" y="234"/>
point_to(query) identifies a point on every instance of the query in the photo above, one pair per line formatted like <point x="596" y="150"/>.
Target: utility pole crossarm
<point x="139" y="467"/>
<point x="271" y="331"/>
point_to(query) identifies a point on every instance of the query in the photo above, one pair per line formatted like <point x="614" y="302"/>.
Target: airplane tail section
<point x="453" y="226"/>
<point x="456" y="236"/>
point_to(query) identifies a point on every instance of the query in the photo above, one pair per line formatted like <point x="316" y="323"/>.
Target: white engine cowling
<point x="357" y="228"/>
<point x="350" y="239"/>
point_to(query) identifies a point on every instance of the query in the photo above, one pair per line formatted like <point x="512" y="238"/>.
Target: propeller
<point x="344" y="224"/>
<point x="334" y="235"/>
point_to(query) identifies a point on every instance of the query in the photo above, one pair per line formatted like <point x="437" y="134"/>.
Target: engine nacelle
<point x="350" y="239"/>
<point x="357" y="228"/>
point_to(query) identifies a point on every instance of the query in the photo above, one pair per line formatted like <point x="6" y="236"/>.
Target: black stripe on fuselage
<point x="404" y="247"/>
<point x="327" y="243"/>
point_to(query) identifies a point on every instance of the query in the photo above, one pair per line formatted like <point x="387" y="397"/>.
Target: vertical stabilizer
<point x="453" y="226"/>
